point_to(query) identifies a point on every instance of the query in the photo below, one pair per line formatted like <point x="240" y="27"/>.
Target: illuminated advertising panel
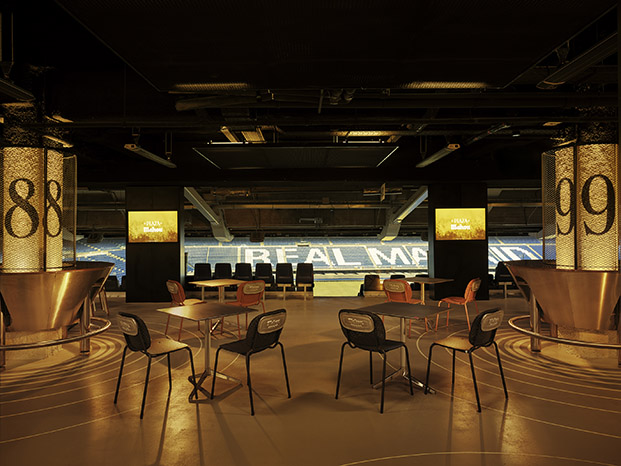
<point x="152" y="227"/>
<point x="460" y="224"/>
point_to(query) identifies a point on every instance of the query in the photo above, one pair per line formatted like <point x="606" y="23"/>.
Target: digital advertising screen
<point x="152" y="227"/>
<point x="460" y="224"/>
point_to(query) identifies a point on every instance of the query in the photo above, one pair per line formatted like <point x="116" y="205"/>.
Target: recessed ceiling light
<point x="552" y="123"/>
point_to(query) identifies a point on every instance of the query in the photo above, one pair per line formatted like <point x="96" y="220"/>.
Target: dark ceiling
<point x="311" y="117"/>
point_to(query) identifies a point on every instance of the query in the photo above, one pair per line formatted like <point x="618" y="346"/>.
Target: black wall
<point x="149" y="265"/>
<point x="460" y="260"/>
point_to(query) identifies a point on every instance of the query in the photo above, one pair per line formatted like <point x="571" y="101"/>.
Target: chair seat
<point x="240" y="347"/>
<point x="387" y="345"/>
<point x="454" y="300"/>
<point x="161" y="346"/>
<point x="456" y="342"/>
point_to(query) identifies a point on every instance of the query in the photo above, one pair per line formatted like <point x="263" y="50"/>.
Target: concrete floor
<point x="561" y="410"/>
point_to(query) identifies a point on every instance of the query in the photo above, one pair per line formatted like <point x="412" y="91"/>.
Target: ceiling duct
<point x="393" y="222"/>
<point x="218" y="227"/>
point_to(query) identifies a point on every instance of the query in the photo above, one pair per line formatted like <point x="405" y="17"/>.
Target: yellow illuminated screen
<point x="460" y="224"/>
<point x="152" y="227"/>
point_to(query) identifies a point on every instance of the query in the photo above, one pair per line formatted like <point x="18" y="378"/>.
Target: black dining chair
<point x="482" y="334"/>
<point x="263" y="271"/>
<point x="263" y="333"/>
<point x="284" y="276"/>
<point x="138" y="339"/>
<point x="365" y="330"/>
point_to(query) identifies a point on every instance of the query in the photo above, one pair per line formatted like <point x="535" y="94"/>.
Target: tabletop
<point x="218" y="282"/>
<point x="205" y="311"/>
<point x="428" y="280"/>
<point x="404" y="310"/>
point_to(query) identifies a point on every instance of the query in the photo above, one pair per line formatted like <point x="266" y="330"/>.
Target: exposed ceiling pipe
<point x="218" y="227"/>
<point x="393" y="222"/>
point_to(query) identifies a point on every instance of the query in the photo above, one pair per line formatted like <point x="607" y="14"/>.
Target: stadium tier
<point x="362" y="254"/>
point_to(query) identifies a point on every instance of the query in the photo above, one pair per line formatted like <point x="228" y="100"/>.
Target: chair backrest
<point x="250" y="293"/>
<point x="501" y="273"/>
<point x="243" y="271"/>
<point x="284" y="273"/>
<point x="471" y="289"/>
<point x="304" y="274"/>
<point x="135" y="331"/>
<point x="263" y="271"/>
<point x="483" y="329"/>
<point x="362" y="329"/>
<point x="202" y="271"/>
<point x="397" y="290"/>
<point x="177" y="295"/>
<point x="265" y="329"/>
<point x="372" y="283"/>
<point x="222" y="270"/>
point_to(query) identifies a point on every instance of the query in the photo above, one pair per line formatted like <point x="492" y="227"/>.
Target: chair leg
<point x="249" y="382"/>
<point x="146" y="385"/>
<point x="284" y="365"/>
<point x="448" y="310"/>
<point x="169" y="373"/>
<point x="103" y="300"/>
<point x="371" y="367"/>
<point x="467" y="316"/>
<point x="383" y="383"/>
<point x="502" y="375"/>
<point x="428" y="369"/>
<point x="410" y="329"/>
<point x="213" y="376"/>
<point x="167" y="322"/>
<point x="238" y="328"/>
<point x="118" y="382"/>
<point x="407" y="359"/>
<point x="474" y="380"/>
<point x="338" y="378"/>
<point x="193" y="372"/>
<point x="180" y="328"/>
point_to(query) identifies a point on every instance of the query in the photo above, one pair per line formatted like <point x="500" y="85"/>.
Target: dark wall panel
<point x="149" y="265"/>
<point x="460" y="260"/>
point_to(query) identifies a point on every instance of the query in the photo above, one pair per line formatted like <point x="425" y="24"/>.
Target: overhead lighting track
<point x="594" y="55"/>
<point x="136" y="149"/>
<point x="449" y="149"/>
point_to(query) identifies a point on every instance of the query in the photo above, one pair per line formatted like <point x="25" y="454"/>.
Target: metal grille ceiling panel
<point x="263" y="157"/>
<point x="322" y="43"/>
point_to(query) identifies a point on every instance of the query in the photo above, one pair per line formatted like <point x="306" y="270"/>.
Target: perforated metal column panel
<point x="582" y="183"/>
<point x="53" y="214"/>
<point x="23" y="202"/>
<point x="69" y="217"/>
<point x="565" y="202"/>
<point x="548" y="193"/>
<point x="597" y="219"/>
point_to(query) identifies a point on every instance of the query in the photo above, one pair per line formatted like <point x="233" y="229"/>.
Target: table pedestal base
<point x="207" y="393"/>
<point x="403" y="374"/>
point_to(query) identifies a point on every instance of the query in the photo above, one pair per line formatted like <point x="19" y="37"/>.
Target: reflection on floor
<point x="59" y="411"/>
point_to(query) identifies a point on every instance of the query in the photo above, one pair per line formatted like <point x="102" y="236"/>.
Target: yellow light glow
<point x="152" y="227"/>
<point x="460" y="224"/>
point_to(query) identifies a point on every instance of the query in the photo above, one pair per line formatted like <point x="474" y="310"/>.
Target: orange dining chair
<point x="249" y="294"/>
<point x="469" y="296"/>
<point x="177" y="296"/>
<point x="399" y="291"/>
